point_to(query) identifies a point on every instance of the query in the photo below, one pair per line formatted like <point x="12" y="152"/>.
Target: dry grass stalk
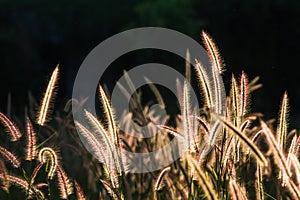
<point x="259" y="189"/>
<point x="203" y="180"/>
<point x="244" y="139"/>
<point x="156" y="93"/>
<point x="237" y="192"/>
<point x="279" y="157"/>
<point x="291" y="150"/>
<point x="253" y="85"/>
<point x="280" y="160"/>
<point x="110" y="190"/>
<point x="296" y="164"/>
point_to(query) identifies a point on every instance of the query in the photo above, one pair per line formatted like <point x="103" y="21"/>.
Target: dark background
<point x="259" y="37"/>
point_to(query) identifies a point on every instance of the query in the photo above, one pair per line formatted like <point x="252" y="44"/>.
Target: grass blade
<point x="259" y="189"/>
<point x="205" y="183"/>
<point x="156" y="92"/>
<point x="244" y="139"/>
<point x="158" y="183"/>
<point x="280" y="161"/>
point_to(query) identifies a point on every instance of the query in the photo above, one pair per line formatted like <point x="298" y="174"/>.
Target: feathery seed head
<point x="43" y="115"/>
<point x="48" y="154"/>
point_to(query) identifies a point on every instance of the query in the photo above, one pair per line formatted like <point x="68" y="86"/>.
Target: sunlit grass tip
<point x="31" y="141"/>
<point x="11" y="128"/>
<point x="48" y="154"/>
<point x="45" y="107"/>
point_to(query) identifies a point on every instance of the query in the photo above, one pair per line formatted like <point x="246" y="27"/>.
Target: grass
<point x="232" y="153"/>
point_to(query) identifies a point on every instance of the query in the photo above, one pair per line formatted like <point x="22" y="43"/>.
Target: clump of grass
<point x="27" y="172"/>
<point x="224" y="142"/>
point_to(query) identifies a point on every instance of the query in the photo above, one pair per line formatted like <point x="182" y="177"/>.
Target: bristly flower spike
<point x="281" y="132"/>
<point x="213" y="52"/>
<point x="217" y="69"/>
<point x="48" y="154"/>
<point x="31" y="141"/>
<point x="43" y="115"/>
<point x="64" y="183"/>
<point x="11" y="128"/>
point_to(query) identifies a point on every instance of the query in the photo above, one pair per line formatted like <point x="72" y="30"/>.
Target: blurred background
<point x="259" y="37"/>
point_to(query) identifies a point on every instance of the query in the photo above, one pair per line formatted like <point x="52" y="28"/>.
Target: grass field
<point x="232" y="153"/>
